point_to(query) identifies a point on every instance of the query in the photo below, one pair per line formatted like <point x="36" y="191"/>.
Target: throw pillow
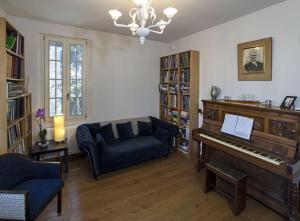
<point x="145" y="128"/>
<point x="162" y="134"/>
<point x="125" y="131"/>
<point x="107" y="133"/>
<point x="93" y="127"/>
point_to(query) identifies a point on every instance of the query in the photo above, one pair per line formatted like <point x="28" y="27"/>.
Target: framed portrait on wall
<point x="255" y="60"/>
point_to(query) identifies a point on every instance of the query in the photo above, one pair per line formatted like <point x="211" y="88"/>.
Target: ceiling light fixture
<point x="142" y="13"/>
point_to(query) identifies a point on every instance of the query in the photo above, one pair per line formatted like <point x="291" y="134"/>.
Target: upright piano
<point x="270" y="158"/>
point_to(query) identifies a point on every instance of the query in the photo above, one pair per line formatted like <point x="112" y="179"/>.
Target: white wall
<point x="2" y="12"/>
<point x="124" y="75"/>
<point x="218" y="53"/>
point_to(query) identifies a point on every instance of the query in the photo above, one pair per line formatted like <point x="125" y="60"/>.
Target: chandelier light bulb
<point x="115" y="14"/>
<point x="170" y="12"/>
<point x="161" y="25"/>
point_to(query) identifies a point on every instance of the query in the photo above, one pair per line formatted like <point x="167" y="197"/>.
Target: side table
<point x="52" y="147"/>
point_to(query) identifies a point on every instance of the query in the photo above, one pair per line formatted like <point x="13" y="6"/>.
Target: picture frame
<point x="255" y="60"/>
<point x="288" y="102"/>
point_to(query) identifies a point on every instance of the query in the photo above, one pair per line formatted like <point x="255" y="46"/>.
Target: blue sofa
<point x="27" y="187"/>
<point x="106" y="157"/>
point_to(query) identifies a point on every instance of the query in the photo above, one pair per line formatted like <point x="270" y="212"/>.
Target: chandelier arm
<point x="160" y="24"/>
<point x="157" y="32"/>
<point x="121" y="25"/>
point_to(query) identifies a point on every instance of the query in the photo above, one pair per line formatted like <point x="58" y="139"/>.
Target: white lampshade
<point x="59" y="128"/>
<point x="161" y="25"/>
<point x="170" y="12"/>
<point x="115" y="14"/>
<point x="140" y="3"/>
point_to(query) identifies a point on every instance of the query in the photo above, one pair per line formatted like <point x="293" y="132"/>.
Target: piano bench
<point x="230" y="176"/>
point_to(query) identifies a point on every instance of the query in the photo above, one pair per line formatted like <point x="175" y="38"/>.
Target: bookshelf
<point x="15" y="108"/>
<point x="179" y="96"/>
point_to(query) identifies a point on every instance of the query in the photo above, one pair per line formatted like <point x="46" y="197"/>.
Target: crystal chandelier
<point x="142" y="13"/>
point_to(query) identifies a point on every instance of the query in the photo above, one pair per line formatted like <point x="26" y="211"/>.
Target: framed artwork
<point x="255" y="60"/>
<point x="288" y="102"/>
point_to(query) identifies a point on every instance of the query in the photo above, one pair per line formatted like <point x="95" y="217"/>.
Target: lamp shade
<point x="59" y="128"/>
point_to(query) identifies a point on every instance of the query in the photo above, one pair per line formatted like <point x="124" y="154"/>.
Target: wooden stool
<point x="231" y="176"/>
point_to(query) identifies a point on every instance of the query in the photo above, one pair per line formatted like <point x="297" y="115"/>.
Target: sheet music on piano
<point x="237" y="126"/>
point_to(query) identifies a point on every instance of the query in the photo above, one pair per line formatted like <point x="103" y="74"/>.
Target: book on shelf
<point x="164" y="112"/>
<point x="164" y="88"/>
<point x="184" y="146"/>
<point x="185" y="102"/>
<point x="173" y="63"/>
<point x="18" y="47"/>
<point x="14" y="110"/>
<point x="164" y="77"/>
<point x="173" y="88"/>
<point x="185" y="132"/>
<point x="164" y="63"/>
<point x="14" y="134"/>
<point x="164" y="99"/>
<point x="185" y="75"/>
<point x="184" y="117"/>
<point x="185" y="88"/>
<point x="173" y="76"/>
<point x="185" y="59"/>
<point x="173" y="101"/>
<point x="173" y="114"/>
<point x="14" y="89"/>
<point x="15" y="67"/>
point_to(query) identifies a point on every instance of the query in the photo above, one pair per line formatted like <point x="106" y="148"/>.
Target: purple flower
<point x="40" y="113"/>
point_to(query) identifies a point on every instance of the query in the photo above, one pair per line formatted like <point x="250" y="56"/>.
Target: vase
<point x="214" y="93"/>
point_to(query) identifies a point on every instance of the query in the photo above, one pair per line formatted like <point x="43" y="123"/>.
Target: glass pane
<point x="58" y="70"/>
<point x="76" y="106"/>
<point x="59" y="88"/>
<point x="79" y="53"/>
<point x="59" y="51"/>
<point x="79" y="70"/>
<point x="52" y="50"/>
<point x="52" y="69"/>
<point x="52" y="107"/>
<point x="52" y="89"/>
<point x="73" y="53"/>
<point x="59" y="106"/>
<point x="73" y="70"/>
<point x="73" y="88"/>
<point x="79" y="88"/>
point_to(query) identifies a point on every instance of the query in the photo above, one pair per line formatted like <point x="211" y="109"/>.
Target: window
<point x="65" y="77"/>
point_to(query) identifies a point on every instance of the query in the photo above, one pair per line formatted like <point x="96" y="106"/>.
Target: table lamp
<point x="59" y="128"/>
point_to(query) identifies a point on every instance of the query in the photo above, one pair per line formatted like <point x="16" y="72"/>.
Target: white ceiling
<point x="193" y="15"/>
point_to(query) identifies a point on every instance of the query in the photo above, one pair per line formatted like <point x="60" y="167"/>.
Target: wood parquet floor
<point x="159" y="190"/>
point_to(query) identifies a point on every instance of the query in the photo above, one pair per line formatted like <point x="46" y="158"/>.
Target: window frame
<point x="66" y="76"/>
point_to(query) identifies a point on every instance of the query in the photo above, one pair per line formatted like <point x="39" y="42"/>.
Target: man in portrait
<point x="253" y="65"/>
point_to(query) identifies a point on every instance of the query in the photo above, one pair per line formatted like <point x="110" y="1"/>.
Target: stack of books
<point x="184" y="59"/>
<point x="15" y="67"/>
<point x="164" y="63"/>
<point x="174" y="88"/>
<point x="164" y="77"/>
<point x="14" y="110"/>
<point x="185" y="102"/>
<point x="164" y="99"/>
<point x="185" y="88"/>
<point x="173" y="62"/>
<point x="164" y="88"/>
<point x="14" y="89"/>
<point x="184" y="146"/>
<point x="173" y="76"/>
<point x="173" y="101"/>
<point x="185" y="75"/>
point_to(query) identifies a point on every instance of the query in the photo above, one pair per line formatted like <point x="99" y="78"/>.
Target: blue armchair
<point x="27" y="187"/>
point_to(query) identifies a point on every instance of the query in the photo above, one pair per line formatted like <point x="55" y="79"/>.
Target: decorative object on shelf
<point x="10" y="42"/>
<point x="40" y="116"/>
<point x="214" y="92"/>
<point x="255" y="60"/>
<point x="288" y="102"/>
<point x="226" y="98"/>
<point x="142" y="13"/>
<point x="59" y="128"/>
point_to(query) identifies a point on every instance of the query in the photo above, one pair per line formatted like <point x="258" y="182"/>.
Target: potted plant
<point x="40" y="116"/>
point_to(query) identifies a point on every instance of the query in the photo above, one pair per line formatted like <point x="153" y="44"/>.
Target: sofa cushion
<point x="93" y="128"/>
<point x="125" y="130"/>
<point x="41" y="192"/>
<point x="145" y="128"/>
<point x="162" y="134"/>
<point x="132" y="149"/>
<point x="107" y="133"/>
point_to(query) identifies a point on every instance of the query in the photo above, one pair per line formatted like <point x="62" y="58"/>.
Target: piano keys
<point x="271" y="157"/>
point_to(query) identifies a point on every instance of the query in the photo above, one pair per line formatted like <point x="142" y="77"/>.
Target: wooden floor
<point x="164" y="189"/>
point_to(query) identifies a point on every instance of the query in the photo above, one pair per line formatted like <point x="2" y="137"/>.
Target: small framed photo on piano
<point x="288" y="102"/>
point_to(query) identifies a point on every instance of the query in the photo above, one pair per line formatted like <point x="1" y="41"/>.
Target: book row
<point x="172" y="76"/>
<point x="174" y="88"/>
<point x="18" y="44"/>
<point x="15" y="67"/>
<point x="15" y="110"/>
<point x="173" y="62"/>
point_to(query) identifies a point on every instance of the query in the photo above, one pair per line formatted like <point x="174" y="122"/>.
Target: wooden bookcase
<point x="15" y="108"/>
<point x="179" y="96"/>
